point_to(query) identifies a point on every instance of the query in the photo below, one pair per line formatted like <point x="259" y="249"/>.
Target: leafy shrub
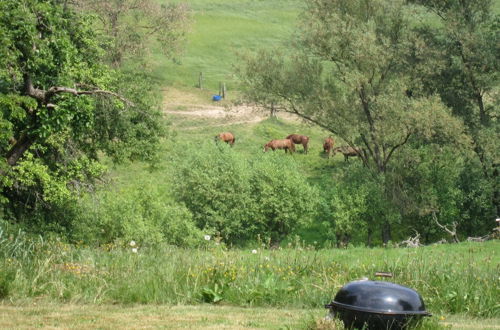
<point x="146" y="215"/>
<point x="283" y="197"/>
<point x="240" y="198"/>
<point x="214" y="185"/>
<point x="428" y="178"/>
<point x="358" y="206"/>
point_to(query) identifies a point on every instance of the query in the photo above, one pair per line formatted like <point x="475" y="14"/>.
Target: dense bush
<point x="240" y="198"/>
<point x="357" y="205"/>
<point x="426" y="180"/>
<point x="147" y="215"/>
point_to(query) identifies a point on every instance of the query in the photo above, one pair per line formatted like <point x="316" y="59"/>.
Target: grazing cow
<point x="299" y="139"/>
<point x="280" y="144"/>
<point x="226" y="137"/>
<point x="348" y="151"/>
<point x="328" y="146"/>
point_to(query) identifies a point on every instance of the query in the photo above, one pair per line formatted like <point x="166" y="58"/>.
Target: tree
<point x="350" y="76"/>
<point x="132" y="25"/>
<point x="463" y="51"/>
<point x="58" y="110"/>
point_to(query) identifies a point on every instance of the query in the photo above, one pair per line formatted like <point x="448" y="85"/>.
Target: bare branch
<point x="413" y="242"/>
<point x="452" y="232"/>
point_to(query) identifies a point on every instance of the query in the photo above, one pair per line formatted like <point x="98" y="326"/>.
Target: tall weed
<point x="460" y="278"/>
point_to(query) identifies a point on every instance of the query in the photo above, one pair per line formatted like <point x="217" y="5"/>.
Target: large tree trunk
<point x="18" y="149"/>
<point x="386" y="232"/>
<point x="369" y="237"/>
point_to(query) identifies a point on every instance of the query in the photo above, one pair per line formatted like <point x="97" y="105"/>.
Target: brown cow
<point x="226" y="137"/>
<point x="299" y="139"/>
<point x="328" y="146"/>
<point x="348" y="151"/>
<point x="280" y="144"/>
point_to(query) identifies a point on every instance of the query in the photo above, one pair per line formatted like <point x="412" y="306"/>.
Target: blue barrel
<point x="216" y="98"/>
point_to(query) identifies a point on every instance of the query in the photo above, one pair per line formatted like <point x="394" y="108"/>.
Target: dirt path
<point x="183" y="104"/>
<point x="231" y="116"/>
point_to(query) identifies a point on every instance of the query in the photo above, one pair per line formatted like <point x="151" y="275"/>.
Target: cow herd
<point x="288" y="144"/>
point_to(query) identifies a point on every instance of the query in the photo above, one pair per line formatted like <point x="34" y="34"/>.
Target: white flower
<point x="134" y="250"/>
<point x="207" y="237"/>
<point x="267" y="258"/>
<point x="132" y="243"/>
<point x="254" y="251"/>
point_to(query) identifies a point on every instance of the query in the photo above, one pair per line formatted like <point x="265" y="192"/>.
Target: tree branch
<point x="18" y="149"/>
<point x="301" y="115"/>
<point x="452" y="232"/>
<point x="56" y="90"/>
<point x="43" y="97"/>
<point x="408" y="134"/>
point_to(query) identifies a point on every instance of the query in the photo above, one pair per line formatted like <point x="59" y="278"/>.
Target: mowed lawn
<point x="69" y="316"/>
<point x="53" y="316"/>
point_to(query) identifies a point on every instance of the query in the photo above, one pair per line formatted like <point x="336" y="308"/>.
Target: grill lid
<point x="379" y="297"/>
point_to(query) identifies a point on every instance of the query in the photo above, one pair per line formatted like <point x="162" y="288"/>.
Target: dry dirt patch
<point x="197" y="105"/>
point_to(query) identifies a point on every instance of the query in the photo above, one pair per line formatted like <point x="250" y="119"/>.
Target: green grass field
<point x="221" y="29"/>
<point x="458" y="283"/>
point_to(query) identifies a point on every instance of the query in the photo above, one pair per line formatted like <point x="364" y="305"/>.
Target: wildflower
<point x="254" y="251"/>
<point x="207" y="237"/>
<point x="132" y="243"/>
<point x="134" y="250"/>
<point x="267" y="258"/>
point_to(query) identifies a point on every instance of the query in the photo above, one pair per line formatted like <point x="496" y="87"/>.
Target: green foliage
<point x="459" y="59"/>
<point x="358" y="205"/>
<point x="212" y="295"/>
<point x="429" y="189"/>
<point x="283" y="197"/>
<point x="7" y="276"/>
<point x="130" y="27"/>
<point x="238" y="198"/>
<point x="61" y="110"/>
<point x="147" y="216"/>
<point x="215" y="186"/>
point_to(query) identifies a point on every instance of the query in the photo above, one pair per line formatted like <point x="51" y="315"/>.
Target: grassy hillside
<point x="220" y="30"/>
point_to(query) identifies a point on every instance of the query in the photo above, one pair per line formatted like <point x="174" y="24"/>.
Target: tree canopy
<point x="131" y="26"/>
<point x="350" y="76"/>
<point x="61" y="106"/>
<point x="402" y="81"/>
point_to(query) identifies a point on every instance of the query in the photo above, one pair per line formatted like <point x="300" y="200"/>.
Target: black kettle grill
<point x="377" y="305"/>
